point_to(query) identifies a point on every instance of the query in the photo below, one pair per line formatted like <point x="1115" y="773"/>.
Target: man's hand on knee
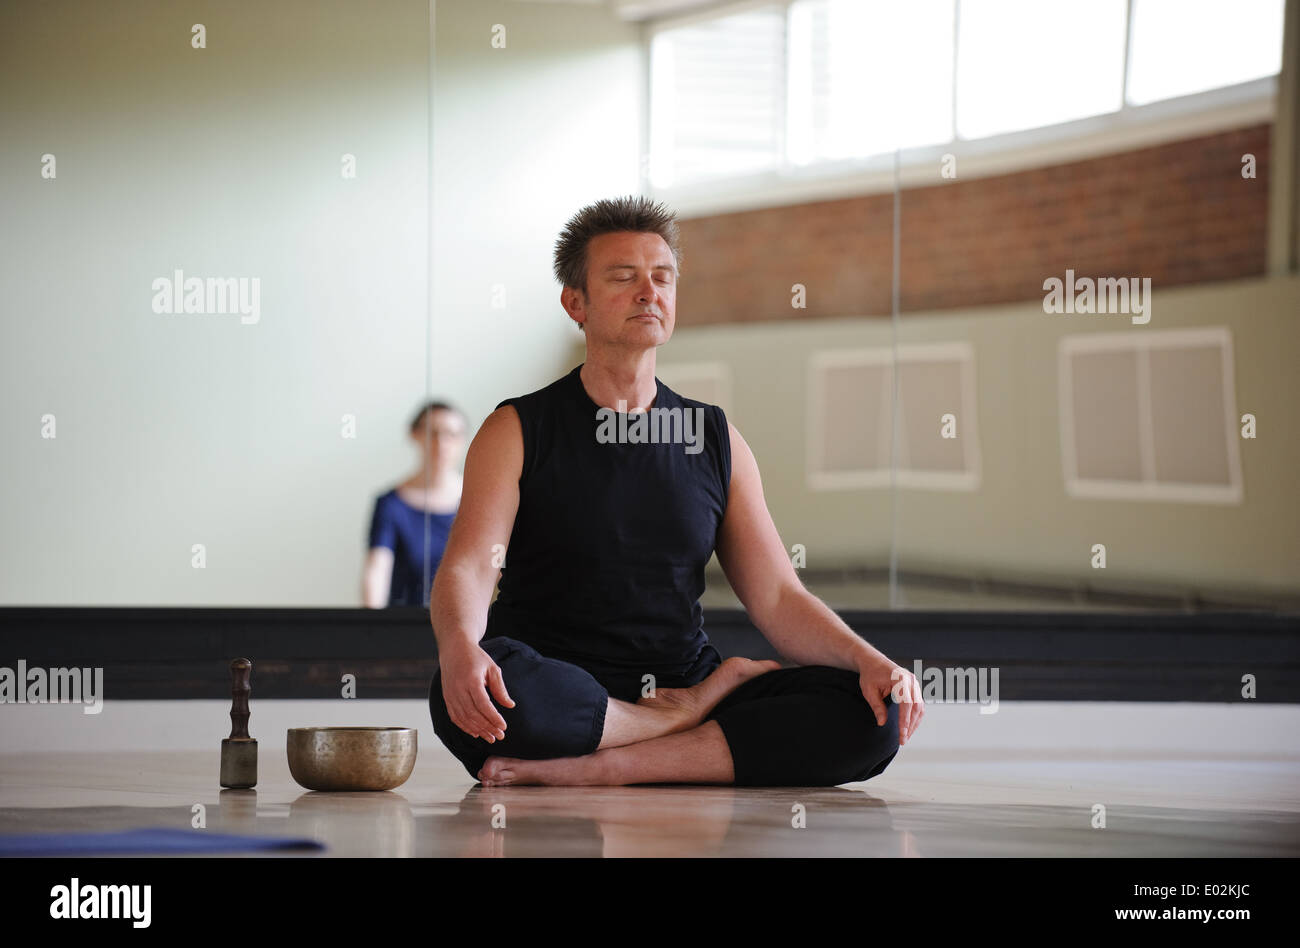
<point x="879" y="678"/>
<point x="468" y="675"/>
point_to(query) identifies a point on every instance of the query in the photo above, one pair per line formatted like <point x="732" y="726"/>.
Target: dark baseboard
<point x="177" y="653"/>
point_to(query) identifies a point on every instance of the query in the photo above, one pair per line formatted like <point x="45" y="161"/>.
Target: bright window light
<point x="1029" y="63"/>
<point x="1185" y="46"/>
<point x="868" y="77"/>
<point x="716" y="97"/>
<point x="820" y="81"/>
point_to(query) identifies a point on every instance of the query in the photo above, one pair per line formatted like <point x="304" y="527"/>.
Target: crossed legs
<point x="748" y="723"/>
<point x="700" y="755"/>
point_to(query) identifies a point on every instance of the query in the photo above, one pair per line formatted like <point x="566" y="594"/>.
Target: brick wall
<point x="1178" y="213"/>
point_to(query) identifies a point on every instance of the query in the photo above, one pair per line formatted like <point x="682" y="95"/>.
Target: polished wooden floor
<point x="941" y="796"/>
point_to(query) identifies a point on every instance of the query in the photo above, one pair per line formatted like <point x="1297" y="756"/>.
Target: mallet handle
<point x="240" y="669"/>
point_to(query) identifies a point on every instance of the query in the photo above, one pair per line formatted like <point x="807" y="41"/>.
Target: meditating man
<point x="592" y="665"/>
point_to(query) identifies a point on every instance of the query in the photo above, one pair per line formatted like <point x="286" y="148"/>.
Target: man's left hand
<point x="879" y="678"/>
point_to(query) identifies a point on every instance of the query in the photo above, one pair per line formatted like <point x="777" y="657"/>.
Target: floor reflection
<point x="692" y="822"/>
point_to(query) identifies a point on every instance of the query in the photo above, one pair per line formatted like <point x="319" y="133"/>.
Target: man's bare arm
<point x="462" y="588"/>
<point x="799" y="625"/>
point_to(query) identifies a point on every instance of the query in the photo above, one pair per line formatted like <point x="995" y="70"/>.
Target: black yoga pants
<point x="802" y="726"/>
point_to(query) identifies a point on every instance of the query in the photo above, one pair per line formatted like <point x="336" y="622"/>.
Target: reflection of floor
<point x="929" y="803"/>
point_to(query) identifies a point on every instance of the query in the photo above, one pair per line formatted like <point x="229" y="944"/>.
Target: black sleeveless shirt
<point x="605" y="566"/>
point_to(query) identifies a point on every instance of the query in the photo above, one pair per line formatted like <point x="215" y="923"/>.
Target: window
<point x="1185" y="46"/>
<point x="1025" y="63"/>
<point x="768" y="90"/>
<point x="716" y="97"/>
<point x="840" y="50"/>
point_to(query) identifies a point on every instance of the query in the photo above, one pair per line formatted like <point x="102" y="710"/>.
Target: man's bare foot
<point x="685" y="708"/>
<point x="678" y="709"/>
<point x="699" y="756"/>
<point x="561" y="771"/>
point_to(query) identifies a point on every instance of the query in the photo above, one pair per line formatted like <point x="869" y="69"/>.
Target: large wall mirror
<point x="1088" y="309"/>
<point x="216" y="311"/>
<point x="999" y="325"/>
<point x="248" y="247"/>
<point x="269" y="266"/>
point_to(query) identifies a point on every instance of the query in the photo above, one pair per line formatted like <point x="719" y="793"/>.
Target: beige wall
<point x="1020" y="522"/>
<point x="225" y="162"/>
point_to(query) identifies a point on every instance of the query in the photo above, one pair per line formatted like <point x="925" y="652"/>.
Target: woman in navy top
<point x="397" y="570"/>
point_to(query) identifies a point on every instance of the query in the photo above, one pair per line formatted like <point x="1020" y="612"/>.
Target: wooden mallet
<point x="239" y="751"/>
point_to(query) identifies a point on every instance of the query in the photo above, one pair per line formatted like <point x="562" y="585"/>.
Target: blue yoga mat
<point x="144" y="841"/>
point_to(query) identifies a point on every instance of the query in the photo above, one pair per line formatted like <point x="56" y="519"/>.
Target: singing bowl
<point x="351" y="758"/>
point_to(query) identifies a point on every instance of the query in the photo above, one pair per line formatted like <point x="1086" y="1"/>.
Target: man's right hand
<point x="468" y="673"/>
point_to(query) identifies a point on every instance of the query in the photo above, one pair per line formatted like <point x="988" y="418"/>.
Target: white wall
<point x="174" y="430"/>
<point x="524" y="137"/>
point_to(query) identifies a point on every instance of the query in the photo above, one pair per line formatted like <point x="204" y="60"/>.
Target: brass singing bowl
<point x="351" y="758"/>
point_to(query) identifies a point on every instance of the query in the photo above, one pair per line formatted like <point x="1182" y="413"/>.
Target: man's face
<point x="628" y="274"/>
